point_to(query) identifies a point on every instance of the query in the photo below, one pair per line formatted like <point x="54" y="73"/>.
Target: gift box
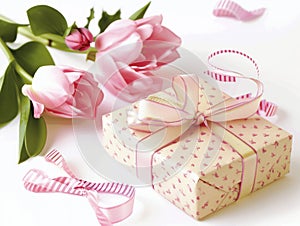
<point x="210" y="163"/>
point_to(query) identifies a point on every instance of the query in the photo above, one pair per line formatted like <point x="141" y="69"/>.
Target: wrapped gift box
<point x="210" y="173"/>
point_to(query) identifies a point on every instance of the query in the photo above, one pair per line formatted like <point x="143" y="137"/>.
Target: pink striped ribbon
<point x="266" y="108"/>
<point x="37" y="181"/>
<point x="227" y="8"/>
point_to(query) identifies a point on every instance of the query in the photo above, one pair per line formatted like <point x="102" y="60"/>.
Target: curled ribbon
<point x="227" y="8"/>
<point x="37" y="181"/>
<point x="266" y="108"/>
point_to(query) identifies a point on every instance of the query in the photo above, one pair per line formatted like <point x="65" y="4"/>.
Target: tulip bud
<point x="79" y="39"/>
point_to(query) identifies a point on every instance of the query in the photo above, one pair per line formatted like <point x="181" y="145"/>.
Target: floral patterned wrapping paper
<point x="210" y="176"/>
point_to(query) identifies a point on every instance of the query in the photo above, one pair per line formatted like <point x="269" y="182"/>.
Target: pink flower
<point x="133" y="49"/>
<point x="143" y="41"/>
<point x="64" y="91"/>
<point x="124" y="82"/>
<point x="79" y="39"/>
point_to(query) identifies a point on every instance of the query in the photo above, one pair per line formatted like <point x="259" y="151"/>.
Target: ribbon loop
<point x="37" y="181"/>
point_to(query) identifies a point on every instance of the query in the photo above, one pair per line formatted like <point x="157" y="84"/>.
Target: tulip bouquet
<point x="125" y="51"/>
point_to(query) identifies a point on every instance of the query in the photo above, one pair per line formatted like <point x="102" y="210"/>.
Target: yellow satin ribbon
<point x="167" y="116"/>
<point x="248" y="155"/>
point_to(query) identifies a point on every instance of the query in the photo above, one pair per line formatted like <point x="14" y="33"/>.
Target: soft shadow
<point x="56" y="129"/>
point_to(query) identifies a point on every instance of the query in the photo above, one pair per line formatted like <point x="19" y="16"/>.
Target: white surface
<point x="273" y="40"/>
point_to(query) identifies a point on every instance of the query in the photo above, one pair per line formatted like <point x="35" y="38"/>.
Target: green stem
<point x="6" y="51"/>
<point x="47" y="41"/>
<point x="25" y="76"/>
<point x="50" y="40"/>
<point x="26" y="32"/>
<point x="54" y="42"/>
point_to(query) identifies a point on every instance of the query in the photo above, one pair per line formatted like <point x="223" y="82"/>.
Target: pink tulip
<point x="64" y="91"/>
<point x="133" y="49"/>
<point x="124" y="82"/>
<point x="80" y="39"/>
<point x="141" y="41"/>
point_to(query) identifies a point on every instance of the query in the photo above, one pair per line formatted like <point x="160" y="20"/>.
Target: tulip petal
<point x="73" y="76"/>
<point x="160" y="52"/>
<point x="153" y="20"/>
<point x="140" y="88"/>
<point x="37" y="107"/>
<point x="51" y="87"/>
<point x="64" y="111"/>
<point x="145" y="31"/>
<point x="164" y="34"/>
<point x="128" y="74"/>
<point x="126" y="51"/>
<point x="115" y="33"/>
<point x="74" y="40"/>
<point x="79" y="39"/>
<point x="75" y="36"/>
<point x="87" y="34"/>
<point x="106" y="68"/>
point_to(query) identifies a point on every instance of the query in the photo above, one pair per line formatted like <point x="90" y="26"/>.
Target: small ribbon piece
<point x="37" y="181"/>
<point x="227" y="8"/>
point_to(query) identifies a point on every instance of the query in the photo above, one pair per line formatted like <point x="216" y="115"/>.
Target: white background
<point x="273" y="40"/>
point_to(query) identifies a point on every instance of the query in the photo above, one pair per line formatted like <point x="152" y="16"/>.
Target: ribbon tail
<point x="101" y="217"/>
<point x="56" y="158"/>
<point x="267" y="108"/>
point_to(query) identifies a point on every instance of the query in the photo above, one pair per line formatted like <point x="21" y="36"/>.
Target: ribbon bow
<point x="190" y="104"/>
<point x="173" y="114"/>
<point x="37" y="181"/>
<point x="166" y="116"/>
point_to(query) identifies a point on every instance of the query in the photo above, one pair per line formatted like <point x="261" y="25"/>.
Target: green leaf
<point x="31" y="56"/>
<point x="90" y="17"/>
<point x="23" y="156"/>
<point x="9" y="31"/>
<point x="70" y="29"/>
<point x="45" y="19"/>
<point x="140" y="13"/>
<point x="8" y="96"/>
<point x="32" y="133"/>
<point x="107" y="19"/>
<point x="1" y="82"/>
<point x="36" y="135"/>
<point x="24" y="116"/>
